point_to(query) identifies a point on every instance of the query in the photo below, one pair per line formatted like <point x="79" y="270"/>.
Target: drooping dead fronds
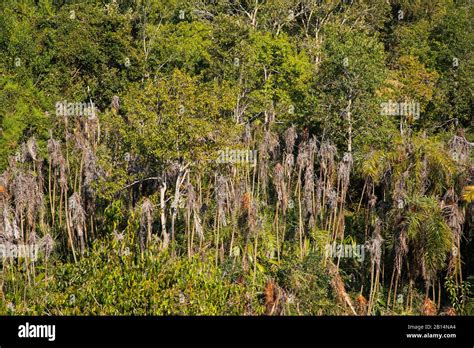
<point x="344" y="171"/>
<point x="312" y="149"/>
<point x="250" y="211"/>
<point x="399" y="194"/>
<point x="275" y="298"/>
<point x="288" y="165"/>
<point x="273" y="143"/>
<point x="146" y="221"/>
<point x="27" y="196"/>
<point x="331" y="198"/>
<point x="448" y="311"/>
<point x="302" y="158"/>
<point x="308" y="195"/>
<point x="452" y="213"/>
<point x="192" y="206"/>
<point x="454" y="217"/>
<point x="280" y="186"/>
<point x="343" y="176"/>
<point x="77" y="219"/>
<point x="460" y="149"/>
<point x="338" y="286"/>
<point x="428" y="307"/>
<point x="327" y="153"/>
<point x="401" y="249"/>
<point x="290" y="138"/>
<point x="374" y="245"/>
<point x="4" y="181"/>
<point x="47" y="243"/>
<point x="57" y="160"/>
<point x="9" y="231"/>
<point x="32" y="149"/>
<point x="247" y="136"/>
<point x="221" y="199"/>
<point x="318" y="196"/>
<point x="115" y="104"/>
<point x="361" y="305"/>
<point x="92" y="173"/>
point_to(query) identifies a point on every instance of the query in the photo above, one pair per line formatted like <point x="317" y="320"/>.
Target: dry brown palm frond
<point x="249" y="212"/>
<point x="237" y="196"/>
<point x="290" y="138"/>
<point x="273" y="144"/>
<point x="331" y="198"/>
<point x="246" y="201"/>
<point x="247" y="135"/>
<point x="32" y="149"/>
<point x="338" y="286"/>
<point x="289" y="164"/>
<point x="425" y="182"/>
<point x="54" y="151"/>
<point x="146" y="221"/>
<point x="425" y="273"/>
<point x="9" y="231"/>
<point x="448" y="311"/>
<point x="77" y="218"/>
<point x="372" y="201"/>
<point x="312" y="148"/>
<point x="254" y="223"/>
<point x="428" y="307"/>
<point x="221" y="199"/>
<point x="47" y="243"/>
<point x="308" y="193"/>
<point x="58" y="162"/>
<point x="399" y="194"/>
<point x="361" y="305"/>
<point x="401" y="249"/>
<point x="460" y="149"/>
<point x="191" y="202"/>
<point x="172" y="170"/>
<point x="33" y="238"/>
<point x="374" y="245"/>
<point x="263" y="164"/>
<point x="91" y="174"/>
<point x="198" y="226"/>
<point x="266" y="149"/>
<point x="275" y="298"/>
<point x="4" y="181"/>
<point x="27" y="196"/>
<point x="302" y="158"/>
<point x="280" y="186"/>
<point x="318" y="196"/>
<point x="327" y="153"/>
<point x="454" y="217"/>
<point x="115" y="104"/>
<point x="452" y="213"/>
<point x="192" y="209"/>
<point x="344" y="169"/>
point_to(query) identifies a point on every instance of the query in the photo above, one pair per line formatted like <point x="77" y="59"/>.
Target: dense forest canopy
<point x="237" y="157"/>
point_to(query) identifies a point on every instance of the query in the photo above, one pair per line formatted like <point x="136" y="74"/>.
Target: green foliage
<point x="21" y="117"/>
<point x="174" y="83"/>
<point x="459" y="295"/>
<point x="108" y="281"/>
